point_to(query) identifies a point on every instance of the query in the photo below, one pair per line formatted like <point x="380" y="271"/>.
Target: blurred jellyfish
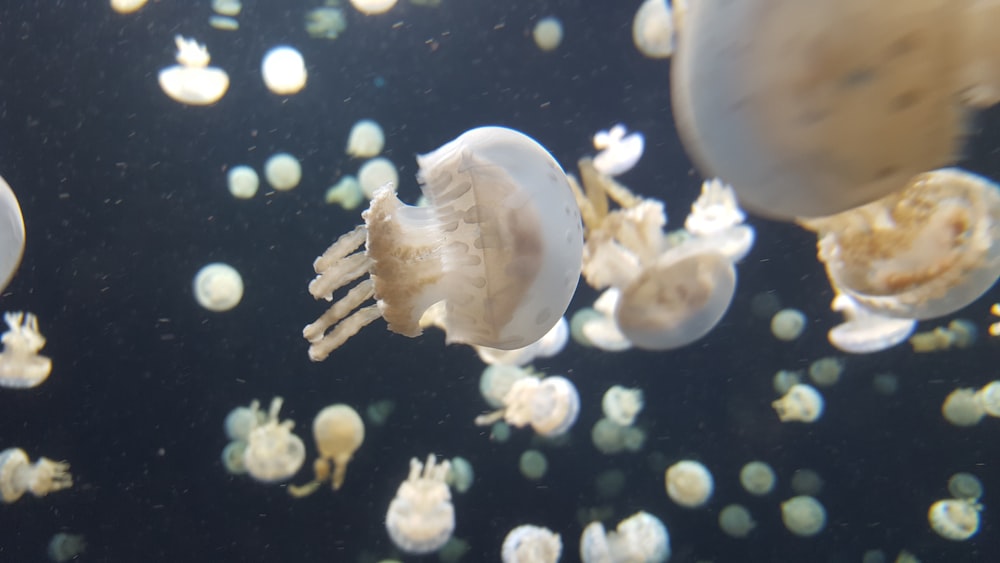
<point x="64" y="547"/>
<point x="531" y="544"/>
<point x="863" y="331"/>
<point x="885" y="383"/>
<point x="325" y="22"/>
<point x="806" y="482"/>
<point x="273" y="453"/>
<point x="960" y="333"/>
<point x="483" y="235"/>
<point x="192" y="81"/>
<point x="955" y="519"/>
<point x="548" y="33"/>
<point x="21" y="366"/>
<point x="619" y="152"/>
<point x="989" y="398"/>
<point x="284" y="70"/>
<point x="599" y="327"/>
<point x="994" y="329"/>
<point x="378" y="412"/>
<point x="242" y="420"/>
<point x="232" y="457"/>
<point x="218" y="287"/>
<point x="610" y="483"/>
<point x="784" y="379"/>
<point x="365" y="140"/>
<point x="621" y="404"/>
<point x="757" y="478"/>
<point x="376" y="173"/>
<point x="421" y="518"/>
<point x="825" y="372"/>
<point x="19" y="476"/>
<point x="242" y="182"/>
<point x="788" y="324"/>
<point x="717" y="219"/>
<point x="11" y="234"/>
<point x="961" y="408"/>
<point x="533" y="465"/>
<point x="373" y="7"/>
<point x="460" y="474"/>
<point x="339" y="432"/>
<point x="547" y="346"/>
<point x="549" y="405"/>
<point x="803" y="516"/>
<point x="283" y="171"/>
<point x="653" y="29"/>
<point x="640" y="538"/>
<point x="227" y="7"/>
<point x="127" y="6"/>
<point x="224" y="23"/>
<point x="736" y="521"/>
<point x="346" y="193"/>
<point x="801" y="403"/>
<point x="689" y="483"/>
<point x="496" y="381"/>
<point x="965" y="486"/>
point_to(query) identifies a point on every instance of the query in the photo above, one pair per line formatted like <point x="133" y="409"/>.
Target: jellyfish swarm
<point x="549" y="405"/>
<point x="339" y="432"/>
<point x="481" y="246"/>
<point x="421" y="518"/>
<point x="21" y="366"/>
<point x="11" y="234"/>
<point x="18" y="475"/>
<point x="192" y="81"/>
<point x="812" y="108"/>
<point x="640" y="538"/>
<point x="272" y="452"/>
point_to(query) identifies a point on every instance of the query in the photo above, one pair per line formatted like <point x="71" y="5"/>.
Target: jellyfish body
<point x="619" y="152"/>
<point x="373" y="7"/>
<point x="11" y="234"/>
<point x="955" y="519"/>
<point x="365" y="140"/>
<point x="531" y="544"/>
<point x="242" y="181"/>
<point x="736" y="521"/>
<point x="339" y="432"/>
<point x="689" y="483"/>
<point x="192" y="81"/>
<point x="989" y="398"/>
<point x="865" y="332"/>
<point x="548" y="33"/>
<point x="653" y="29"/>
<point x="962" y="407"/>
<point x="640" y="538"/>
<point x="550" y="405"/>
<point x="273" y="453"/>
<point x="19" y="476"/>
<point x="283" y="171"/>
<point x="21" y="366"/>
<point x="284" y="70"/>
<point x="481" y="246"/>
<point x="65" y="547"/>
<point x="802" y="403"/>
<point x="218" y="287"/>
<point x="803" y="515"/>
<point x="621" y="404"/>
<point x="421" y="517"/>
<point x="757" y="478"/>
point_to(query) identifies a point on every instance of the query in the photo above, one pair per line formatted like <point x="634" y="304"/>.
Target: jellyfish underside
<point x="550" y="405"/>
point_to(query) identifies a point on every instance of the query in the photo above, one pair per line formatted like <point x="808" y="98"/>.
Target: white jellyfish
<point x="547" y="346"/>
<point x="365" y="140"/>
<point x="373" y="7"/>
<point x="621" y="405"/>
<point x="496" y="381"/>
<point x="284" y="70"/>
<point x="339" y="432"/>
<point x="21" y="366"/>
<point x="273" y="453"/>
<point x="803" y="515"/>
<point x="19" y="476"/>
<point x="481" y="246"/>
<point x="192" y="81"/>
<point x="619" y="152"/>
<point x="640" y="538"/>
<point x="548" y="33"/>
<point x="788" y="324"/>
<point x="757" y="478"/>
<point x="531" y="544"/>
<point x="994" y="328"/>
<point x="989" y="398"/>
<point x="955" y="519"/>
<point x="653" y="29"/>
<point x="599" y="328"/>
<point x="64" y="547"/>
<point x="784" y="379"/>
<point x="218" y="287"/>
<point x="224" y="23"/>
<point x="376" y="173"/>
<point x="689" y="483"/>
<point x="421" y="517"/>
<point x="717" y="218"/>
<point x="283" y="171"/>
<point x="242" y="181"/>
<point x="550" y="405"/>
<point x="863" y="331"/>
<point x="11" y="234"/>
<point x="127" y="6"/>
<point x="962" y="408"/>
<point x="346" y="193"/>
<point x="802" y="403"/>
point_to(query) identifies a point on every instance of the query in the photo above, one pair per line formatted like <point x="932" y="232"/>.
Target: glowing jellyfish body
<point x="242" y="181"/>
<point x="962" y="408"/>
<point x="496" y="381"/>
<point x="788" y="324"/>
<point x="549" y="405"/>
<point x="273" y="453"/>
<point x="803" y="516"/>
<point x="757" y="478"/>
<point x="965" y="486"/>
<point x="619" y="152"/>
<point x="801" y="403"/>
<point x="653" y="29"/>
<point x="736" y="521"/>
<point x="373" y="7"/>
<point x="339" y="432"/>
<point x="346" y="193"/>
<point x="533" y="465"/>
<point x="64" y="547"/>
<point x="865" y="332"/>
<point x="325" y="22"/>
<point x="192" y="81"/>
<point x="817" y="107"/>
<point x="21" y="366"/>
<point x="127" y="6"/>
<point x="689" y="483"/>
<point x="227" y="7"/>
<point x="611" y="438"/>
<point x="365" y="140"/>
<point x="19" y="476"/>
<point x="376" y="173"/>
<point x="531" y="544"/>
<point x="421" y="517"/>
<point x="640" y="538"/>
<point x="283" y="171"/>
<point x="284" y="70"/>
<point x="11" y="234"/>
<point x="989" y="398"/>
<point x="955" y="519"/>
<point x="481" y="246"/>
<point x="548" y="33"/>
<point x="460" y="474"/>
<point x="826" y="372"/>
<point x="621" y="405"/>
<point x="218" y="287"/>
<point x="547" y="346"/>
<point x="242" y="420"/>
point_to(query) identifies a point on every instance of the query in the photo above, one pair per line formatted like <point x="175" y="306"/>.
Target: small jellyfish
<point x="784" y="379"/>
<point x="230" y="8"/>
<point x="242" y="181"/>
<point x="549" y="405"/>
<point x="788" y="324"/>
<point x="379" y="412"/>
<point x="127" y="6"/>
<point x="373" y="7"/>
<point x="689" y="483"/>
<point x="241" y="421"/>
<point x="757" y="478"/>
<point x="273" y="453"/>
<point x="955" y="519"/>
<point x="192" y="81"/>
<point x="531" y="544"/>
<point x="496" y="381"/>
<point x="533" y="465"/>
<point x="64" y="547"/>
<point x="621" y="404"/>
<point x="284" y="70"/>
<point x="826" y="371"/>
<point x="18" y="475"/>
<point x="806" y="482"/>
<point x="619" y="152"/>
<point x="218" y="287"/>
<point x="283" y="171"/>
<point x="376" y="173"/>
<point x="640" y="538"/>
<point x="803" y="516"/>
<point x="736" y="521"/>
<point x="339" y="432"/>
<point x="965" y="486"/>
<point x="989" y="398"/>
<point x="600" y="329"/>
<point x="548" y="33"/>
<point x="346" y="193"/>
<point x="961" y="408"/>
<point x="224" y="23"/>
<point x="717" y="219"/>
<point x="505" y="275"/>
<point x="325" y="22"/>
<point x="802" y="403"/>
<point x="653" y="29"/>
<point x="994" y="328"/>
<point x="460" y="474"/>
<point x="21" y="366"/>
<point x="959" y="333"/>
<point x="232" y="457"/>
<point x="865" y="332"/>
<point x="547" y="346"/>
<point x="611" y="438"/>
<point x="365" y="140"/>
<point x="421" y="517"/>
<point x="11" y="234"/>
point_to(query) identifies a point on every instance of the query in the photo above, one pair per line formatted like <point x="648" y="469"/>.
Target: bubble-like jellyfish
<point x="736" y="521"/>
<point x="242" y="181"/>
<point x="19" y="476"/>
<point x="533" y="465"/>
<point x="826" y="371"/>
<point x="653" y="29"/>
<point x="283" y="171"/>
<point x="284" y="70"/>
<point x="21" y="366"/>
<point x="865" y="332"/>
<point x="610" y="438"/>
<point x="460" y="474"/>
<point x="273" y="453"/>
<point x="366" y="139"/>
<point x="192" y="81"/>
<point x="640" y="538"/>
<point x="621" y="404"/>
<point x="757" y="478"/>
<point x="811" y="108"/>
<point x="346" y="193"/>
<point x="788" y="324"/>
<point x="496" y="381"/>
<point x="548" y="33"/>
<point x="500" y="244"/>
<point x="325" y="22"/>
<point x="531" y="544"/>
<point x="960" y="333"/>
<point x="127" y="6"/>
<point x="339" y="432"/>
<point x="11" y="234"/>
<point x="955" y="519"/>
<point x="803" y="516"/>
<point x="241" y="421"/>
<point x="375" y="173"/>
<point x="963" y="408"/>
<point x="620" y="152"/>
<point x="373" y="7"/>
<point x="550" y="405"/>
<point x="227" y="7"/>
<point x="421" y="517"/>
<point x="689" y="483"/>
<point x="994" y="328"/>
<point x="218" y="287"/>
<point x="988" y="398"/>
<point x="64" y="547"/>
<point x="965" y="486"/>
<point x="802" y="403"/>
<point x="924" y="251"/>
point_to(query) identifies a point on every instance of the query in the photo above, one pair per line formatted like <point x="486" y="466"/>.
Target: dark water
<point x="124" y="197"/>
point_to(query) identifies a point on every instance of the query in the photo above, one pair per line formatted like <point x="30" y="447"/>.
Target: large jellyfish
<point x="11" y="234"/>
<point x="339" y="432"/>
<point x="500" y="244"/>
<point x="192" y="81"/>
<point x="18" y="475"/>
<point x="21" y="366"/>
<point x="421" y="517"/>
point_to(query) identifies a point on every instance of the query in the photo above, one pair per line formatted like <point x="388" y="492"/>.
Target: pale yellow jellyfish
<point x="218" y="287"/>
<point x="619" y="152"/>
<point x="11" y="234"/>
<point x="64" y="547"/>
<point x="736" y="521"/>
<point x="960" y="333"/>
<point x="989" y="398"/>
<point x="273" y="453"/>
<point x="803" y="516"/>
<point x="283" y="171"/>
<point x="600" y="329"/>
<point x="788" y="324"/>
<point x="192" y="81"/>
<point x="550" y="405"/>
<point x="127" y="6"/>
<point x="621" y="405"/>
<point x="284" y="70"/>
<point x="365" y="140"/>
<point x="955" y="519"/>
<point x="346" y="193"/>
<point x="965" y="486"/>
<point x="224" y="23"/>
<point x="640" y="538"/>
<point x="531" y="544"/>
<point x="865" y="332"/>
<point x="481" y="246"/>
<point x="689" y="483"/>
<point x="826" y="371"/>
<point x="421" y="517"/>
<point x="961" y="408"/>
<point x="373" y="7"/>
<point x="548" y="33"/>
<point x="580" y="319"/>
<point x="19" y="476"/>
<point x="533" y="465"/>
<point x="325" y="22"/>
<point x="21" y="366"/>
<point x="376" y="173"/>
<point x="232" y="457"/>
<point x="339" y="432"/>
<point x="496" y="381"/>
<point x="757" y="478"/>
<point x="378" y="412"/>
<point x="460" y="474"/>
<point x="653" y="29"/>
<point x="242" y="181"/>
<point x="230" y="8"/>
<point x="801" y="403"/>
<point x="994" y="329"/>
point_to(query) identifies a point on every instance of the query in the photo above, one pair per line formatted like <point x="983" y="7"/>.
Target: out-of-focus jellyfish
<point x="885" y="383"/>
<point x="373" y="7"/>
<point x="548" y="33"/>
<point x="736" y="521"/>
<point x="806" y="132"/>
<point x="11" y="234"/>
<point x="283" y="171"/>
<point x="453" y="550"/>
<point x="365" y="140"/>
<point x="232" y="457"/>
<point x="757" y="478"/>
<point x="127" y="6"/>
<point x="19" y="476"/>
<point x="955" y="519"/>
<point x="346" y="193"/>
<point x="192" y="81"/>
<point x="765" y="304"/>
<point x="325" y="22"/>
<point x="621" y="405"/>
<point x="550" y="405"/>
<point x="500" y="244"/>
<point x="230" y="8"/>
<point x="21" y="366"/>
<point x="653" y="29"/>
<point x="610" y="483"/>
<point x="242" y="181"/>
<point x="802" y="403"/>
<point x="611" y="438"/>
<point x="531" y="544"/>
<point x="64" y="547"/>
<point x="961" y="408"/>
<point x="460" y="474"/>
<point x="376" y="173"/>
<point x="284" y="70"/>
<point x="218" y="287"/>
<point x="826" y="371"/>
<point x="784" y="379"/>
<point x="421" y="518"/>
<point x="788" y="324"/>
<point x="806" y="482"/>
<point x="241" y="421"/>
<point x="994" y="328"/>
<point x="988" y="398"/>
<point x="863" y="331"/>
<point x="500" y="431"/>
<point x="874" y="556"/>
<point x="960" y="333"/>
<point x="533" y="465"/>
<point x="547" y="346"/>
<point x="965" y="486"/>
<point x="224" y="23"/>
<point x="273" y="453"/>
<point x="716" y="220"/>
<point x="803" y="515"/>
<point x="600" y="329"/>
<point x="619" y="152"/>
<point x="689" y="483"/>
<point x="496" y="381"/>
<point x="581" y="318"/>
<point x="378" y="412"/>
<point x="640" y="538"/>
<point x="924" y="251"/>
<point x="339" y="432"/>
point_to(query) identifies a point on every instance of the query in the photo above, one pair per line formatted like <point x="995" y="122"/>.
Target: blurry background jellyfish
<point x="619" y="152"/>
<point x="65" y="547"/>
<point x="653" y="29"/>
<point x="239" y="423"/>
<point x="803" y="515"/>
<point x="373" y="7"/>
<point x="689" y="483"/>
<point x="11" y="234"/>
<point x="375" y="173"/>
<point x="548" y="33"/>
<point x="19" y="476"/>
<point x="549" y="405"/>
<point x="421" y="517"/>
<point x="640" y="538"/>
<point x="366" y="139"/>
<point x="283" y="171"/>
<point x="325" y="22"/>
<point x="242" y="181"/>
<point x="218" y="287"/>
<point x="863" y="331"/>
<point x="802" y="403"/>
<point x="339" y="432"/>
<point x="531" y="544"/>
<point x="284" y="70"/>
<point x="127" y="6"/>
<point x="192" y="81"/>
<point x="21" y="366"/>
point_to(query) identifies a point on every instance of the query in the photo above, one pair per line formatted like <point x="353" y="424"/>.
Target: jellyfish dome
<point x="376" y="173"/>
<point x="284" y="70"/>
<point x="531" y="544"/>
<point x="621" y="404"/>
<point x="373" y="7"/>
<point x="192" y="81"/>
<point x="366" y="139"/>
<point x="640" y="538"/>
<point x="19" y="476"/>
<point x="955" y="519"/>
<point x="21" y="366"/>
<point x="11" y="234"/>
<point x="550" y="405"/>
<point x="339" y="432"/>
<point x="241" y="421"/>
<point x="273" y="453"/>
<point x="500" y="243"/>
<point x="421" y="517"/>
<point x="283" y="171"/>
<point x="218" y="287"/>
<point x="802" y="403"/>
<point x="242" y="181"/>
<point x="863" y="331"/>
<point x="803" y="516"/>
<point x="689" y="483"/>
<point x="619" y="152"/>
<point x="548" y="33"/>
<point x="653" y="29"/>
<point x="127" y="6"/>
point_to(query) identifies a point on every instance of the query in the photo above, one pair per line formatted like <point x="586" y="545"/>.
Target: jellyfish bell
<point x="548" y="33"/>
<point x="865" y="332"/>
<point x="550" y="405"/>
<point x="365" y="140"/>
<point x="621" y="404"/>
<point x="11" y="234"/>
<point x="653" y="29"/>
<point x="640" y="537"/>
<point x="802" y="403"/>
<point x="689" y="483"/>
<point x="339" y="432"/>
<point x="218" y="287"/>
<point x="21" y="366"/>
<point x="192" y="81"/>
<point x="619" y="152"/>
<point x="955" y="519"/>
<point x="19" y="476"/>
<point x="717" y="218"/>
<point x="284" y="70"/>
<point x="273" y="453"/>
<point x="421" y="517"/>
<point x="531" y="544"/>
<point x="283" y="171"/>
<point x="376" y="173"/>
<point x="127" y="6"/>
<point x="803" y="516"/>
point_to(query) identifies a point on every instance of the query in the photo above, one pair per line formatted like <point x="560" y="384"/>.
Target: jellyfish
<point x="273" y="453"/>
<point x="994" y="328"/>
<point x="127" y="6"/>
<point x="284" y="70"/>
<point x="788" y="324"/>
<point x="757" y="478"/>
<point x="689" y="483"/>
<point x="227" y="7"/>
<point x="11" y="234"/>
<point x="548" y="33"/>
<point x="18" y="475"/>
<point x="599" y="327"/>
<point x="421" y="518"/>
<point x="653" y="29"/>
<point x="806" y="482"/>
<point x="962" y="408"/>
<point x="549" y="405"/>
<point x="736" y="521"/>
<point x="346" y="193"/>
<point x="815" y="108"/>
<point x="802" y="403"/>
<point x="283" y="171"/>
<point x="826" y="371"/>
<point x="460" y="474"/>
<point x="640" y="538"/>
<point x="531" y="544"/>
<point x="192" y="81"/>
<point x="64" y="547"/>
<point x="218" y="287"/>
<point x="232" y="457"/>
<point x="533" y="465"/>
<point x="717" y="218"/>
<point x="496" y="381"/>
<point x="373" y="7"/>
<point x="955" y="519"/>
<point x="988" y="398"/>
<point x="965" y="486"/>
<point x="619" y="152"/>
<point x="365" y="140"/>
<point x="803" y="516"/>
<point x="224" y="23"/>
<point x="621" y="404"/>
<point x="241" y="421"/>
<point x="339" y="432"/>
<point x="924" y="251"/>
<point x="960" y="333"/>
<point x="865" y="332"/>
<point x="242" y="181"/>
<point x="505" y="275"/>
<point x="610" y="438"/>
<point x="21" y="366"/>
<point x="378" y="412"/>
<point x="784" y="379"/>
<point x="325" y="22"/>
<point x="547" y="346"/>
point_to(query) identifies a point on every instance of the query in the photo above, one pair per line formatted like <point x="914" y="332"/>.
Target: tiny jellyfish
<point x="548" y="33"/>
<point x="373" y="7"/>
<point x="640" y="538"/>
<point x="550" y="405"/>
<point x="283" y="171"/>
<point x="788" y="324"/>
<point x="242" y="181"/>
<point x="994" y="328"/>
<point x="496" y="381"/>
<point x="611" y="438"/>
<point x="127" y="6"/>
<point x="64" y="547"/>
<point x="621" y="404"/>
<point x="379" y="412"/>
<point x="653" y="29"/>
<point x="500" y="431"/>
<point x="955" y="519"/>
<point x="339" y="432"/>
<point x="765" y="304"/>
<point x="421" y="517"/>
<point x="619" y="152"/>
<point x="736" y="521"/>
<point x="826" y="371"/>
<point x="230" y="8"/>
<point x="325" y="22"/>
<point x="863" y="331"/>
<point x="21" y="366"/>
<point x="599" y="327"/>
<point x="784" y="379"/>
<point x="578" y="321"/>
<point x="11" y="234"/>
<point x="376" y="173"/>
<point x="365" y="140"/>
<point x="806" y="482"/>
<point x="533" y="465"/>
<point x="531" y="544"/>
<point x="757" y="478"/>
<point x="803" y="516"/>
<point x="218" y="287"/>
<point x="481" y="247"/>
<point x="192" y="81"/>
<point x="460" y="474"/>
<point x="284" y="70"/>
<point x="962" y="409"/>
<point x="989" y="398"/>
<point x="346" y="193"/>
<point x="18" y="475"/>
<point x="802" y="403"/>
<point x="689" y="483"/>
<point x="965" y="486"/>
<point x="224" y="23"/>
<point x="242" y="420"/>
<point x="273" y="453"/>
<point x="232" y="457"/>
